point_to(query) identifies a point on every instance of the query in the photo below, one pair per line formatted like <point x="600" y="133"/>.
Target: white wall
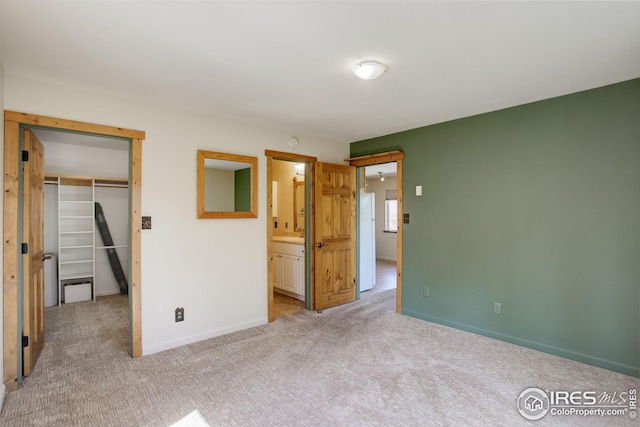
<point x="115" y="205"/>
<point x="50" y="244"/>
<point x="386" y="243"/>
<point x="216" y="268"/>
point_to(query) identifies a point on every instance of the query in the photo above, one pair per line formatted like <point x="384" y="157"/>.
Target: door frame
<point x="13" y="124"/>
<point x="309" y="187"/>
<point x="376" y="159"/>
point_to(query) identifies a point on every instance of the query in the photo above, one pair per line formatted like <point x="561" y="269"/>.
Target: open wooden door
<point x="334" y="235"/>
<point x="32" y="261"/>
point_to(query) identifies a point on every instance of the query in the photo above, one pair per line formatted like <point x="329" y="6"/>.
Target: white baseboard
<point x="106" y="292"/>
<point x="201" y="337"/>
<point x="384" y="258"/>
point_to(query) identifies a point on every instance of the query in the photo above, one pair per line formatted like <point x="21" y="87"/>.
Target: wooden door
<point x="334" y="235"/>
<point x="32" y="262"/>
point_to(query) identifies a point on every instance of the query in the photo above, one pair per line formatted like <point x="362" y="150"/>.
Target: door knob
<point x="319" y="245"/>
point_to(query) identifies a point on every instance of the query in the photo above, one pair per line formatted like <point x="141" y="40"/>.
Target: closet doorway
<point x="86" y="184"/>
<point x="14" y="280"/>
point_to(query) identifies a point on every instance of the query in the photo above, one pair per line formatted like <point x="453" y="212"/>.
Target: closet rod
<point x="111" y="185"/>
<point x="95" y="185"/>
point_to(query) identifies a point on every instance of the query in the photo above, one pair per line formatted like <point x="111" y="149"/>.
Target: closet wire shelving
<point x="76" y="229"/>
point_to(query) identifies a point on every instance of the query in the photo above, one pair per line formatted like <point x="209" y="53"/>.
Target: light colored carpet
<point x="358" y="364"/>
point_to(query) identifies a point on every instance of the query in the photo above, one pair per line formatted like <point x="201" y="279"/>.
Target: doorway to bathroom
<point x="289" y="282"/>
<point x="288" y="223"/>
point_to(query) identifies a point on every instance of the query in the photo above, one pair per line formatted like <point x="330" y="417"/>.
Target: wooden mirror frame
<point x="298" y="224"/>
<point x="253" y="161"/>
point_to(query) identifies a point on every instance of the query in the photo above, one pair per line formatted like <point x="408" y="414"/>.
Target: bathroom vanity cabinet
<point x="288" y="269"/>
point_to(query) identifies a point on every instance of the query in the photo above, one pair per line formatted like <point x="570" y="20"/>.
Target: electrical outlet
<point x="497" y="308"/>
<point x="179" y="314"/>
<point x="146" y="223"/>
<point x="426" y="291"/>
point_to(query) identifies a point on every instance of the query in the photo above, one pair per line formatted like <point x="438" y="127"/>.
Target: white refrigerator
<point x="367" y="241"/>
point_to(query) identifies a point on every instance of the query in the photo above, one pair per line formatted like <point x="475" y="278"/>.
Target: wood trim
<point x="399" y="238"/>
<point x="374" y="159"/>
<point x="310" y="233"/>
<point x="12" y="123"/>
<point x="388" y="157"/>
<point x="270" y="313"/>
<point x="281" y="155"/>
<point x="296" y="206"/>
<point x="51" y="122"/>
<point x="10" y="255"/>
<point x="135" y="294"/>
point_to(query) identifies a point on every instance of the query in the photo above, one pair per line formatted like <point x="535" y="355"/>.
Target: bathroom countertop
<point x="289" y="239"/>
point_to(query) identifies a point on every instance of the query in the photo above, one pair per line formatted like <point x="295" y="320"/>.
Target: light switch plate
<point x="418" y="190"/>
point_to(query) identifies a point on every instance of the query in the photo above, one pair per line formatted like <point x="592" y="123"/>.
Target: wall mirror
<point x="227" y="185"/>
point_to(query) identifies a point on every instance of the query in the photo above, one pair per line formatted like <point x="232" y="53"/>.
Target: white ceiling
<point x="387" y="169"/>
<point x="288" y="64"/>
<point x="78" y="139"/>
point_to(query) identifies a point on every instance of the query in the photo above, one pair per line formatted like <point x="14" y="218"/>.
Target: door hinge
<point x="25" y="156"/>
<point x="25" y="341"/>
<point x="24" y="248"/>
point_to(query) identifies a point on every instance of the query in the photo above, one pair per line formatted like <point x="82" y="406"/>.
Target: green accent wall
<point x="536" y="207"/>
<point x="242" y="190"/>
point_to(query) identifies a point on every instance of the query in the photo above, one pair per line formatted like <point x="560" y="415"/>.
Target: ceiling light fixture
<point x="369" y="70"/>
<point x="381" y="177"/>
